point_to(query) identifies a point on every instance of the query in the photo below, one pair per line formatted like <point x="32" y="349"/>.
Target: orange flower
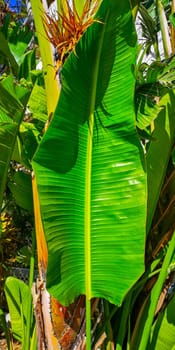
<point x="65" y="32"/>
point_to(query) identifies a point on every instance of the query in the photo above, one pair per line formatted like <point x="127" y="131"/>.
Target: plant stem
<point x="134" y="7"/>
<point x="31" y="279"/>
<point x="88" y="324"/>
<point x="88" y="235"/>
<point x="123" y="322"/>
<point x="164" y="29"/>
<point x="108" y="332"/>
<point x="33" y="345"/>
<point x="52" y="88"/>
<point x="32" y="260"/>
<point x="5" y="329"/>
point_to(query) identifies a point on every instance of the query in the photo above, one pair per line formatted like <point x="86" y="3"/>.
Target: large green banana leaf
<point x="90" y="167"/>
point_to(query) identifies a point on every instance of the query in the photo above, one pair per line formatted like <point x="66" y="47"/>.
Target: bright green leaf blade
<point x="89" y="169"/>
<point x="17" y="294"/>
<point x="18" y="41"/>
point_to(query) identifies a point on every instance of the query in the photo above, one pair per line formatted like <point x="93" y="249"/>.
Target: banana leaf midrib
<point x="87" y="213"/>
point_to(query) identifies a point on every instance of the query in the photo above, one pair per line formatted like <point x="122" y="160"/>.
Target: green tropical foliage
<point x="104" y="170"/>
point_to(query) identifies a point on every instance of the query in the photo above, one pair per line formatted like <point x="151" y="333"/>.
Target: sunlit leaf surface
<point x="90" y="168"/>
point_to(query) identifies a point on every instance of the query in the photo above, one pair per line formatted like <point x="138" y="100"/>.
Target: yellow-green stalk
<point x="172" y="28"/>
<point x="164" y="29"/>
<point x="52" y="88"/>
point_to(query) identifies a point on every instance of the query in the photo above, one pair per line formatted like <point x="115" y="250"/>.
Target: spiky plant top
<point x="65" y="31"/>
